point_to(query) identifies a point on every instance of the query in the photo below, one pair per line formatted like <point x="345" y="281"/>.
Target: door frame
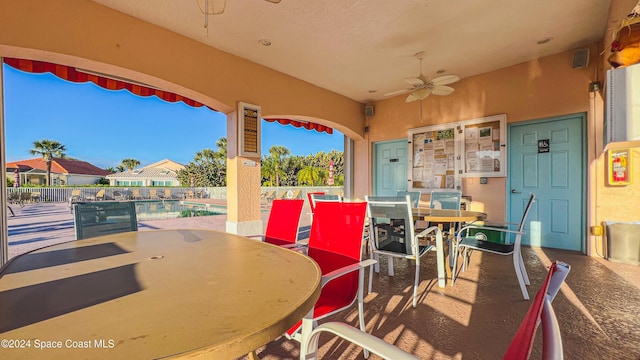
<point x="375" y="159"/>
<point x="583" y="174"/>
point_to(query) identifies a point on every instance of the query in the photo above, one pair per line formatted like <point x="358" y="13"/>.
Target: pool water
<point x="171" y="209"/>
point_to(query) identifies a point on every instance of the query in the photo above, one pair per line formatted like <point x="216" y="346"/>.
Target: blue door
<point x="390" y="167"/>
<point x="547" y="157"/>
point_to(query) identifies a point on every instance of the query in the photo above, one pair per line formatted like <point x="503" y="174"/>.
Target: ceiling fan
<point x="216" y="7"/>
<point x="422" y="87"/>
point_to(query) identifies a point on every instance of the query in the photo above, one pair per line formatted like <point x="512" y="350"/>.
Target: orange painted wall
<point x="537" y="89"/>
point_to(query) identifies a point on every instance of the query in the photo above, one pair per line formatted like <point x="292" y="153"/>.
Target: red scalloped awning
<point x="70" y="73"/>
<point x="303" y="124"/>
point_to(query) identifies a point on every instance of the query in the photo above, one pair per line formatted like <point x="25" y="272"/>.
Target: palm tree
<point x="278" y="153"/>
<point x="48" y="149"/>
<point x="206" y="156"/>
<point x="268" y="170"/>
<point x="222" y="148"/>
<point x="309" y="175"/>
<point x="130" y="164"/>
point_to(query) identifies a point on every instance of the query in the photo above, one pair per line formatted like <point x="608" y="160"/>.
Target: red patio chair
<point x="282" y="227"/>
<point x="541" y="311"/>
<point x="312" y="204"/>
<point x="335" y="243"/>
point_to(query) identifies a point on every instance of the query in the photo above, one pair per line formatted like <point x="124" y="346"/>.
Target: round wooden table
<point x="450" y="216"/>
<point x="443" y="215"/>
<point x="152" y="294"/>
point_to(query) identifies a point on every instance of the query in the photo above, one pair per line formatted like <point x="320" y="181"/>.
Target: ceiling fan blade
<point x="442" y="90"/>
<point x="445" y="80"/>
<point x="414" y="81"/>
<point x="212" y="7"/>
<point x="397" y="92"/>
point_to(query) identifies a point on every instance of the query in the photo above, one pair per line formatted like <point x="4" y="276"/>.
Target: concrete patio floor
<point x="598" y="307"/>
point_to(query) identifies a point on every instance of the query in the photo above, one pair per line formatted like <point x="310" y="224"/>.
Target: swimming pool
<point x="171" y="209"/>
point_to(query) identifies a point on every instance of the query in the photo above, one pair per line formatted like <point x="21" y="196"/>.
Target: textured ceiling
<point x="352" y="47"/>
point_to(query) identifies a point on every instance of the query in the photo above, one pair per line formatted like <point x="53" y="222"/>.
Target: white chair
<point x="414" y="195"/>
<point x="355" y="336"/>
<point x="466" y="244"/>
<point x="392" y="234"/>
<point x="449" y="200"/>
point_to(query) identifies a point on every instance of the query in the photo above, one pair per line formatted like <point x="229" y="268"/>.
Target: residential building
<point x="63" y="172"/>
<point x="161" y="173"/>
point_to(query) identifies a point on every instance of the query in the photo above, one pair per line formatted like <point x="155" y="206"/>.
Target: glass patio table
<point x="153" y="294"/>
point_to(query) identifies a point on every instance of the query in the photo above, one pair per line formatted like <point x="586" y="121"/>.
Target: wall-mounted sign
<point x="619" y="167"/>
<point x="249" y="134"/>
<point x="543" y="146"/>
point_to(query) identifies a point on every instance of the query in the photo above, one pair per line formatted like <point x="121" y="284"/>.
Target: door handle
<point x="514" y="191"/>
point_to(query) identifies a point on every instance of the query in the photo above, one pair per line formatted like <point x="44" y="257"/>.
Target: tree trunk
<point x="48" y="173"/>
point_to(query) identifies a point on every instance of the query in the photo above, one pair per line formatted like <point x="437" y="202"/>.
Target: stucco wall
<point x="537" y="89"/>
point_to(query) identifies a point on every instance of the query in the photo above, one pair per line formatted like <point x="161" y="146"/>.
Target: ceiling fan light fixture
<point x="422" y="93"/>
<point x="265" y="42"/>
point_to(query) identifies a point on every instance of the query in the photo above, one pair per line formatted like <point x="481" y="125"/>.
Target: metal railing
<point x="64" y="194"/>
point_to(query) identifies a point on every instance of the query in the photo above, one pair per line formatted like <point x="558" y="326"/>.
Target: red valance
<point x="303" y="124"/>
<point x="70" y="73"/>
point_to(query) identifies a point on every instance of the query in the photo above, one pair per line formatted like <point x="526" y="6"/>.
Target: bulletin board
<point x="484" y="147"/>
<point x="434" y="157"/>
<point x="441" y="155"/>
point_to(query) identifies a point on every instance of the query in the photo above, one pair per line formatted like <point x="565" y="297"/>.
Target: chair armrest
<point x="428" y="230"/>
<point x="488" y="228"/>
<point x="347" y="269"/>
<point x="357" y="337"/>
<point x="294" y="246"/>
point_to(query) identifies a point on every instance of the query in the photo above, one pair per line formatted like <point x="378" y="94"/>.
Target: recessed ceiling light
<point x="265" y="42"/>
<point x="544" y="40"/>
<point x="441" y="71"/>
<point x="372" y="91"/>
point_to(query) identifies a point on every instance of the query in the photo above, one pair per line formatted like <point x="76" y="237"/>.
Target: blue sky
<point x="103" y="127"/>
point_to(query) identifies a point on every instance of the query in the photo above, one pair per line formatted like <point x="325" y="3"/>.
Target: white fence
<point x="63" y="194"/>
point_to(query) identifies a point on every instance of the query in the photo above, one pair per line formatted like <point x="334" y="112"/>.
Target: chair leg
<point x="523" y="269"/>
<point x="465" y="259"/>
<point x="518" y="269"/>
<point x="361" y="306"/>
<point x="390" y="264"/>
<point x="456" y="251"/>
<point x="415" y="284"/>
<point x="371" y="269"/>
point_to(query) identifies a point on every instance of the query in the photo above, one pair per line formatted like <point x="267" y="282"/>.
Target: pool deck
<point x="43" y="224"/>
